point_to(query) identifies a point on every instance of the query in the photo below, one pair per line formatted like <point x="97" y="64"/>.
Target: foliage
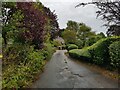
<point x="21" y="63"/>
<point x="28" y="22"/>
<point x="12" y="54"/>
<point x="48" y="51"/>
<point x="72" y="46"/>
<point x="114" y="51"/>
<point x="60" y="32"/>
<point x="25" y="47"/>
<point x="113" y="30"/>
<point x="109" y="10"/>
<point x="6" y="14"/>
<point x="82" y="54"/>
<point x="81" y="31"/>
<point x="72" y="25"/>
<point x="69" y="36"/>
<point x="90" y="41"/>
<point x="99" y="51"/>
<point x="56" y="43"/>
<point x="51" y="26"/>
<point x="17" y="62"/>
<point x="101" y="35"/>
<point x="93" y="39"/>
<point x="110" y="13"/>
<point x="33" y="23"/>
<point x="85" y="33"/>
<point x="79" y="43"/>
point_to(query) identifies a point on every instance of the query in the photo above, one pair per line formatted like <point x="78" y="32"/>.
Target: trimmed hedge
<point x="114" y="51"/>
<point x="98" y="53"/>
<point x="72" y="46"/>
<point x="100" y="50"/>
<point x="80" y="53"/>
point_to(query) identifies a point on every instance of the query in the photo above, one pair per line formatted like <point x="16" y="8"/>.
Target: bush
<point x="22" y="75"/>
<point x="80" y="54"/>
<point x="79" y="43"/>
<point x="90" y="41"/>
<point x="48" y="50"/>
<point x="114" y="51"/>
<point x="98" y="52"/>
<point x="15" y="53"/>
<point x="20" y="65"/>
<point x="72" y="46"/>
<point x="56" y="43"/>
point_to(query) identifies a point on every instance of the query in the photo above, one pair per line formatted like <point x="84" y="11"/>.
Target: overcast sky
<point x="65" y="10"/>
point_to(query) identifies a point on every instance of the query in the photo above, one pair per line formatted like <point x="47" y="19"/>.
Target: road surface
<point x="62" y="72"/>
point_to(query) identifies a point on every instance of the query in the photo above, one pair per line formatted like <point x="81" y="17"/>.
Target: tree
<point x="101" y="35"/>
<point x="113" y="30"/>
<point x="81" y="30"/>
<point x="60" y="32"/>
<point x="93" y="39"/>
<point x="33" y="23"/>
<point x="109" y="11"/>
<point x="69" y="36"/>
<point x="7" y="11"/>
<point x="52" y="24"/>
<point x="28" y="22"/>
<point x="85" y="33"/>
<point x="72" y="25"/>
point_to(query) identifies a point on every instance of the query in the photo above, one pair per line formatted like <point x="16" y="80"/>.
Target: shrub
<point x="90" y="41"/>
<point x="56" y="43"/>
<point x="80" y="54"/>
<point x="20" y="64"/>
<point x="114" y="51"/>
<point x="15" y="53"/>
<point x="98" y="52"/>
<point x="79" y="43"/>
<point x="48" y="50"/>
<point x="72" y="46"/>
<point x="22" y="75"/>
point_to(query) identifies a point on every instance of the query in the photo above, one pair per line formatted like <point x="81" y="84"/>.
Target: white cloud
<point x="67" y="11"/>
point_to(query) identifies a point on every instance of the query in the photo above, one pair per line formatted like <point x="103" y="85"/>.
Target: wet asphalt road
<point x="62" y="72"/>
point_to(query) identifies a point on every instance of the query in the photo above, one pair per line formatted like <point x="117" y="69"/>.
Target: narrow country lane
<point x="62" y="72"/>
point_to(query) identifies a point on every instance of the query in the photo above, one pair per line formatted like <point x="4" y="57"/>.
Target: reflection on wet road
<point x="62" y="72"/>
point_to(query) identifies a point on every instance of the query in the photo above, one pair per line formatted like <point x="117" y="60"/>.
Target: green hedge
<point x="80" y="54"/>
<point x="56" y="43"/>
<point x="98" y="52"/>
<point x="72" y="46"/>
<point x="48" y="50"/>
<point x="21" y="63"/>
<point x="114" y="51"/>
